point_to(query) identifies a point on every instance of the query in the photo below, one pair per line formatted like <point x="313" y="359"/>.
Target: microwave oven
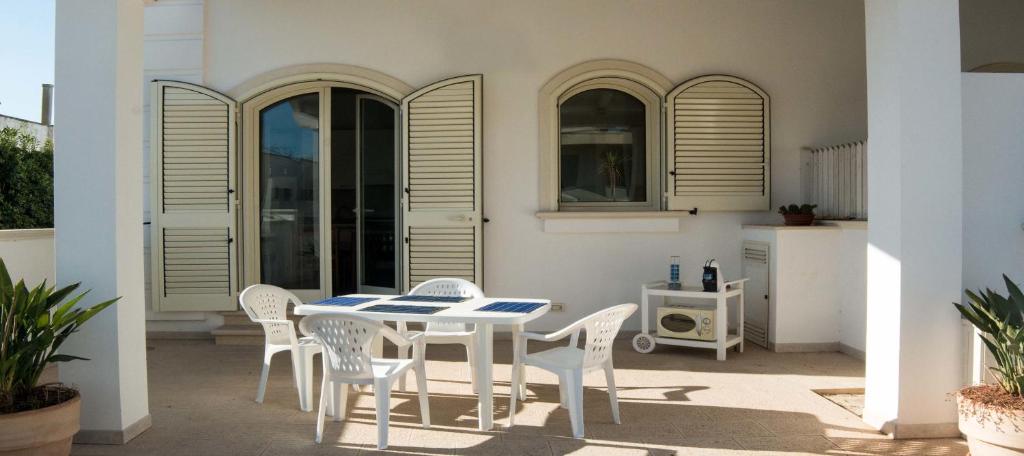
<point x="686" y="323"/>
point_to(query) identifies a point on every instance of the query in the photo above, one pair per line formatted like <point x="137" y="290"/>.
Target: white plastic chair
<point x="348" y="360"/>
<point x="445" y="333"/>
<point x="571" y="362"/>
<point x="268" y="306"/>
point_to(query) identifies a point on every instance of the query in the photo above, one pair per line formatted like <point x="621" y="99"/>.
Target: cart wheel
<point x="643" y="343"/>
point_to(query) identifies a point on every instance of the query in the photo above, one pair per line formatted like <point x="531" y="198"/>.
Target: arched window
<point x="601" y="138"/>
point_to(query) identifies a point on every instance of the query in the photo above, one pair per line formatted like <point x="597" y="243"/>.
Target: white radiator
<point x="838" y="181"/>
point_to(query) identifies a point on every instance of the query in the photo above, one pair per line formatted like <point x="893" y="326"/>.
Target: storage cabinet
<point x="794" y="292"/>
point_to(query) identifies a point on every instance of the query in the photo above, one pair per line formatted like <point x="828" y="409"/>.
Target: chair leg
<point x="574" y="391"/>
<point x="609" y="376"/>
<point x="470" y="356"/>
<point x="403" y="353"/>
<point x="264" y="374"/>
<point x="302" y="368"/>
<point x="322" y="410"/>
<point x="340" y="400"/>
<point x="382" y="396"/>
<point x="514" y="391"/>
<point x="563" y="398"/>
<point x="421" y="387"/>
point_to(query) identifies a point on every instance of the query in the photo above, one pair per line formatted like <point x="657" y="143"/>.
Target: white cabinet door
<point x="756" y="308"/>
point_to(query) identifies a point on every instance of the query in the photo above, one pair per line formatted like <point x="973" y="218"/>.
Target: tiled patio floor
<point x="673" y="401"/>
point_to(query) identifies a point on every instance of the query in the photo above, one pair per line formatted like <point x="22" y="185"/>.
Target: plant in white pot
<point x="37" y="419"/>
<point x="992" y="416"/>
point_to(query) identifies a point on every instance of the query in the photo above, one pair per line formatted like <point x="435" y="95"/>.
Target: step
<point x="247" y="334"/>
<point x="240" y="318"/>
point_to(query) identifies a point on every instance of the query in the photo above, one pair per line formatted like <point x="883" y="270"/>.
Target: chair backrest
<point x="602" y="327"/>
<point x="452" y="287"/>
<point x="267" y="302"/>
<point x="347" y="341"/>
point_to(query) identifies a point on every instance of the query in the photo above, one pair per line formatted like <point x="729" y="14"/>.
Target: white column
<point x="915" y="255"/>
<point x="98" y="208"/>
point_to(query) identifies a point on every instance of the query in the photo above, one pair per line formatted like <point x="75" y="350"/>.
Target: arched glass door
<point x="327" y="185"/>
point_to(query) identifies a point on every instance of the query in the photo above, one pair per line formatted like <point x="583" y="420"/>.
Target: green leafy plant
<point x="793" y="209"/>
<point x="1001" y="322"/>
<point x="33" y="325"/>
<point x="611" y="166"/>
<point x="26" y="181"/>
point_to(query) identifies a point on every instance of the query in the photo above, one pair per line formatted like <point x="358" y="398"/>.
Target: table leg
<point x="516" y="330"/>
<point x="721" y="326"/>
<point x="484" y="375"/>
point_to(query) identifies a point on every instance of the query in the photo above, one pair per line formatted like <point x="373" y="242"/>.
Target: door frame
<point x="248" y="170"/>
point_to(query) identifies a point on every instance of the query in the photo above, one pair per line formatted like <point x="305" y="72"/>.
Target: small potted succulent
<point x="992" y="416"/>
<point x="37" y="419"/>
<point x="795" y="215"/>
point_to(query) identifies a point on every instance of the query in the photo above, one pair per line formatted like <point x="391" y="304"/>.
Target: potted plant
<point x="992" y="416"/>
<point x="37" y="419"/>
<point x="801" y="215"/>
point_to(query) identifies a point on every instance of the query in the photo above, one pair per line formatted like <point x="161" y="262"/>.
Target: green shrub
<point x="26" y="181"/>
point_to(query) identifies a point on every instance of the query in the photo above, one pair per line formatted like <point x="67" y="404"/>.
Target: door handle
<point x="462" y="218"/>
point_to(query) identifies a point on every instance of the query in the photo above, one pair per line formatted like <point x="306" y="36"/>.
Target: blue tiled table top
<point x="511" y="306"/>
<point x="392" y="308"/>
<point x="425" y="298"/>
<point x="343" y="301"/>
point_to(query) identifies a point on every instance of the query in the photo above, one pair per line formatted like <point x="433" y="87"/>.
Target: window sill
<point x="611" y="222"/>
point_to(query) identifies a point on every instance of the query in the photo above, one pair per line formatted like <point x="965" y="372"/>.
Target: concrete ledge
<point x="24" y="235"/>
<point x="805" y="347"/>
<point x="178" y="335"/>
<point x="121" y="437"/>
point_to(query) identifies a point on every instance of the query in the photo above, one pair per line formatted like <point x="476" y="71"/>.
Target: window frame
<point x="642" y="82"/>
<point x="652" y="144"/>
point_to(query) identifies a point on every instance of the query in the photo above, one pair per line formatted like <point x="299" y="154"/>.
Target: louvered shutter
<point x="193" y="202"/>
<point x="442" y="204"/>
<point x="719" y="145"/>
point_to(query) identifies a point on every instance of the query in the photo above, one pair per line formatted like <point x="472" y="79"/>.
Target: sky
<point x="26" y="56"/>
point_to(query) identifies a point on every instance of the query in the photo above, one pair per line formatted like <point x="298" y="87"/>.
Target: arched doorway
<point x="321" y="205"/>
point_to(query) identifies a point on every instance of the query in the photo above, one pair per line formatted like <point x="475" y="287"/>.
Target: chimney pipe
<point x="47" y="117"/>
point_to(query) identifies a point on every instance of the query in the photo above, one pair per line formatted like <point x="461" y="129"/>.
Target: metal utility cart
<point x="646" y="341"/>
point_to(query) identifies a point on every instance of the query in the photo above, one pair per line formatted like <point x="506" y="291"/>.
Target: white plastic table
<point x="723" y="341"/>
<point x="463" y="312"/>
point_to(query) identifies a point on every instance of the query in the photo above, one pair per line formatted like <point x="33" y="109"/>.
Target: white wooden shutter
<point x="441" y="175"/>
<point x="193" y="201"/>
<point x="719" y="145"/>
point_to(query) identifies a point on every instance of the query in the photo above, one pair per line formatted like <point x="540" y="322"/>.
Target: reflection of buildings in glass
<point x="289" y="215"/>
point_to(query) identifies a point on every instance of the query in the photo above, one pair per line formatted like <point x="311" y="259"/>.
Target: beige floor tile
<point x="673" y="401"/>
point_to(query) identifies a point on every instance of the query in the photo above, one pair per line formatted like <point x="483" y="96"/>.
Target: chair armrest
<point x="551" y="337"/>
<point x="284" y="322"/>
<point x="397" y="338"/>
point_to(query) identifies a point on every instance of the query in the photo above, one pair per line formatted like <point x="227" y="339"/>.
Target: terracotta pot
<point x="44" y="432"/>
<point x="798" y="219"/>
<point x="989" y="431"/>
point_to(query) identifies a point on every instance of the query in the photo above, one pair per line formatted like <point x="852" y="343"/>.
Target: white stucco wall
<point x="28" y="255"/>
<point x="807" y="55"/>
<point x="993" y="165"/>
